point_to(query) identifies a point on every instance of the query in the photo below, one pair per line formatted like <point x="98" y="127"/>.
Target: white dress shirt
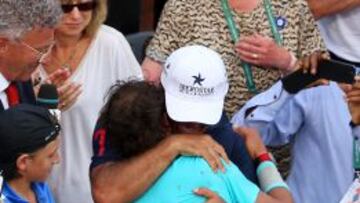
<point x="3" y="85"/>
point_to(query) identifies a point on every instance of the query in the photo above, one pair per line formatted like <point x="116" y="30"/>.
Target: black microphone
<point x="48" y="97"/>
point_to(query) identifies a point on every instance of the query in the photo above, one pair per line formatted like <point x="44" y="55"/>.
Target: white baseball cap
<point x="195" y="83"/>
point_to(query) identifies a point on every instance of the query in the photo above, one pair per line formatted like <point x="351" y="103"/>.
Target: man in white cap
<point x="195" y="84"/>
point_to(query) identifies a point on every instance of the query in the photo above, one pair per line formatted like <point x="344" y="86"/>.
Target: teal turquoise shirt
<point x="187" y="173"/>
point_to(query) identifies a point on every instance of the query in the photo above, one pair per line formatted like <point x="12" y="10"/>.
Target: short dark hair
<point x="10" y="171"/>
<point x="133" y="117"/>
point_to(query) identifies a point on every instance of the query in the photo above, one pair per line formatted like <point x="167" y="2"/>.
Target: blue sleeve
<point x="286" y="122"/>
<point x="101" y="147"/>
<point x="49" y="194"/>
<point x="234" y="146"/>
<point x="240" y="189"/>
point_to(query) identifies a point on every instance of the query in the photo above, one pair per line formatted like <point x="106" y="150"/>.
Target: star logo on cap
<point x="198" y="80"/>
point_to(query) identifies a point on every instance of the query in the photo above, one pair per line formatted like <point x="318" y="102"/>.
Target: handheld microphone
<point x="48" y="97"/>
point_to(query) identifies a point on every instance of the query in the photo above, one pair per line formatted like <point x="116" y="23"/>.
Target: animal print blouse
<point x="189" y="22"/>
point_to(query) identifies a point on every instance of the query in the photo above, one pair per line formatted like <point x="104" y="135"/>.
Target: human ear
<point x="22" y="163"/>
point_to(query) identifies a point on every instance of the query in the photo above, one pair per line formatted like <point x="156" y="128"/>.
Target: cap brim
<point x="206" y="112"/>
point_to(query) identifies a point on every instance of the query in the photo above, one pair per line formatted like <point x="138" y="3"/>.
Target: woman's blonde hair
<point x="99" y="15"/>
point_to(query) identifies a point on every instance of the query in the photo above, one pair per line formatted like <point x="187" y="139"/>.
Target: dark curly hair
<point x="133" y="117"/>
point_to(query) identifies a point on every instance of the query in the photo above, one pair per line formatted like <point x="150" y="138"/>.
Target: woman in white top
<point x="96" y="56"/>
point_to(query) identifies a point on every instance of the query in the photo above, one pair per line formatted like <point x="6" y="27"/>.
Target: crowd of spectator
<point x="192" y="122"/>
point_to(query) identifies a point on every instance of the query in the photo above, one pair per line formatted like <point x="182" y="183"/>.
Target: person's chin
<point x="74" y="30"/>
<point x="22" y="78"/>
<point x="25" y="76"/>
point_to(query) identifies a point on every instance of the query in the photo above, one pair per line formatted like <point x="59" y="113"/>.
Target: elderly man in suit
<point x="26" y="33"/>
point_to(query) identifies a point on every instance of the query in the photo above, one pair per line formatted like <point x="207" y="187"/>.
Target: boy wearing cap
<point x="194" y="99"/>
<point x="28" y="151"/>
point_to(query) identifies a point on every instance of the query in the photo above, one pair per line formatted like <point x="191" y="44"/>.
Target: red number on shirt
<point x="100" y="136"/>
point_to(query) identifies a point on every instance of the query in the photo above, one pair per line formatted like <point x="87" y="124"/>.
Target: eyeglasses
<point x="86" y="6"/>
<point x="41" y="52"/>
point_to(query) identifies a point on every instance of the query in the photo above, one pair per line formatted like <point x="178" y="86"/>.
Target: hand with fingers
<point x="253" y="142"/>
<point x="212" y="197"/>
<point x="68" y="94"/>
<point x="353" y="99"/>
<point x="263" y="51"/>
<point x="310" y="63"/>
<point x="68" y="91"/>
<point x="57" y="78"/>
<point x="201" y="145"/>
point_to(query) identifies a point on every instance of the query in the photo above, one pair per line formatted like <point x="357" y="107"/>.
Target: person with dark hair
<point x="138" y="117"/>
<point x="28" y="150"/>
<point x="132" y="106"/>
<point x="259" y="41"/>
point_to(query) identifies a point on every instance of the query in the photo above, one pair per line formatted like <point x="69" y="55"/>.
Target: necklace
<point x="66" y="65"/>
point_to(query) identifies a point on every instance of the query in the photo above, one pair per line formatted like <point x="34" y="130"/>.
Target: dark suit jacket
<point x="26" y="92"/>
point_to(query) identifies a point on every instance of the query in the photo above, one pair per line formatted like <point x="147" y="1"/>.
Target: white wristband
<point x="269" y="177"/>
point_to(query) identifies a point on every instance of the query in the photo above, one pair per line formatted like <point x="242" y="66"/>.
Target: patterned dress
<point x="189" y="22"/>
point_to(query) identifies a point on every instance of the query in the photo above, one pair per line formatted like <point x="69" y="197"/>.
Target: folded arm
<point x="322" y="8"/>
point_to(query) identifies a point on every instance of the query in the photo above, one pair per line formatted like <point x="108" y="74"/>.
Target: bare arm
<point x="321" y="8"/>
<point x="277" y="195"/>
<point x="126" y="180"/>
<point x="256" y="147"/>
<point x="151" y="70"/>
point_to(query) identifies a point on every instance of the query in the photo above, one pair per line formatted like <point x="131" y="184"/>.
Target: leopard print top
<point x="189" y="22"/>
